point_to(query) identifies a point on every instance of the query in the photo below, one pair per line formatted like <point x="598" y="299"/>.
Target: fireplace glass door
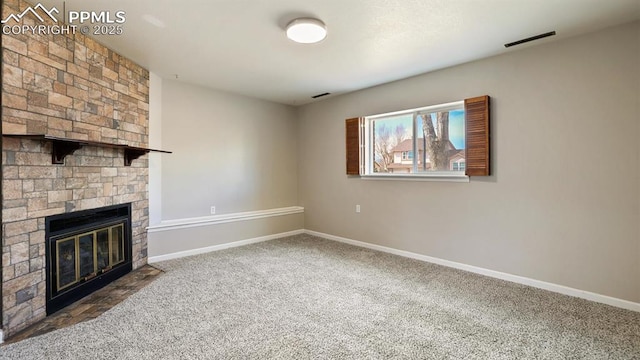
<point x="84" y="256"/>
<point x="86" y="250"/>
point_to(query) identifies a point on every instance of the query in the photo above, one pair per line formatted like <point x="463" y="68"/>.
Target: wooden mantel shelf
<point x="61" y="147"/>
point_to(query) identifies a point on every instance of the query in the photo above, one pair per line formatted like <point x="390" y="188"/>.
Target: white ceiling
<point x="239" y="45"/>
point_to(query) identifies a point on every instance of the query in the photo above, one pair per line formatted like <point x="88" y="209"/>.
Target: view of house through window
<point x="428" y="140"/>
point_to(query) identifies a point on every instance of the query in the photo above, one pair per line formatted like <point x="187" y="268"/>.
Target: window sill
<point x="417" y="177"/>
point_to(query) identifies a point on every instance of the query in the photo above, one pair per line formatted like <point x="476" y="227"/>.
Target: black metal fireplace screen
<point x="86" y="250"/>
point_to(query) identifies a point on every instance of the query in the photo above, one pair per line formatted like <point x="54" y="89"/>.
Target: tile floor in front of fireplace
<point x="92" y="305"/>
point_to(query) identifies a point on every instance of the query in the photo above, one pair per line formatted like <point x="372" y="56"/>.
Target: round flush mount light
<point x="306" y="30"/>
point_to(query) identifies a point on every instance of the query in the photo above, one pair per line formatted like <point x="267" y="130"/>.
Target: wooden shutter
<point x="477" y="137"/>
<point x="352" y="128"/>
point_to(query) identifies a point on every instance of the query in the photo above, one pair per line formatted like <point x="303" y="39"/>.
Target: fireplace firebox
<point x="86" y="250"/>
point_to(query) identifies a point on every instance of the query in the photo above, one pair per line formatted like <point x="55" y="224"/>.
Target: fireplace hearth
<point x="86" y="250"/>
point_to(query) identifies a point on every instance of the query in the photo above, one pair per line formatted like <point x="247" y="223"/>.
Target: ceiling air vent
<point x="551" y="33"/>
<point x="320" y="95"/>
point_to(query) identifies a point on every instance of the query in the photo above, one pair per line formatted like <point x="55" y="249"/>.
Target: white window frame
<point x="368" y="145"/>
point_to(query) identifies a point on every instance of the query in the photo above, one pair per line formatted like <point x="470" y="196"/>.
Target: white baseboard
<point x="207" y="249"/>
<point x="1" y="337"/>
<point x="629" y="305"/>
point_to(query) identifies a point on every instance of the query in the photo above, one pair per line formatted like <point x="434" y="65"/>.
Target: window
<point x="436" y="134"/>
<point x="442" y="140"/>
<point x="457" y="166"/>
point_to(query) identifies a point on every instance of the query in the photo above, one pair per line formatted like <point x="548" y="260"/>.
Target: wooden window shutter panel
<point x="477" y="136"/>
<point x="352" y="128"/>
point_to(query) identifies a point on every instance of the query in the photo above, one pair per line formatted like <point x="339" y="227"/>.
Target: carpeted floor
<point x="307" y="298"/>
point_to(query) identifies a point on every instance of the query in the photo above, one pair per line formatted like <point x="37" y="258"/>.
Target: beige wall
<point x="233" y="152"/>
<point x="563" y="203"/>
<point x="169" y="242"/>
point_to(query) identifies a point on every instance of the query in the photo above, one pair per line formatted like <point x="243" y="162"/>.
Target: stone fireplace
<point x="71" y="87"/>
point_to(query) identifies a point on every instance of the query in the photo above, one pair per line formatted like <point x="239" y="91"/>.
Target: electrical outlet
<point x="357" y="208"/>
<point x="213" y="210"/>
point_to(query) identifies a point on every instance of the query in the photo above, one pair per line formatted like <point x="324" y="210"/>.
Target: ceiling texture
<point x="240" y="46"/>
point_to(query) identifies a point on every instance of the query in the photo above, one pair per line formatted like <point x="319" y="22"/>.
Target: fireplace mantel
<point x="61" y="147"/>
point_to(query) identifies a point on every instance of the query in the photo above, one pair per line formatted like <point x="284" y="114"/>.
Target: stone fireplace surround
<point x="68" y="86"/>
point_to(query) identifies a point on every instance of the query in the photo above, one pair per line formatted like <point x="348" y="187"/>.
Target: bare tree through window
<point x="386" y="139"/>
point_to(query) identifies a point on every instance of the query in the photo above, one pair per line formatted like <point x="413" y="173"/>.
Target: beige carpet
<point x="303" y="297"/>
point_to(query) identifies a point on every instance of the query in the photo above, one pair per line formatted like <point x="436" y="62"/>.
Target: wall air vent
<point x="551" y="33"/>
<point x="320" y="95"/>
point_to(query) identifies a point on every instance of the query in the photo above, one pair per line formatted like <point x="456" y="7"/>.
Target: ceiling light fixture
<point x="306" y="30"/>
